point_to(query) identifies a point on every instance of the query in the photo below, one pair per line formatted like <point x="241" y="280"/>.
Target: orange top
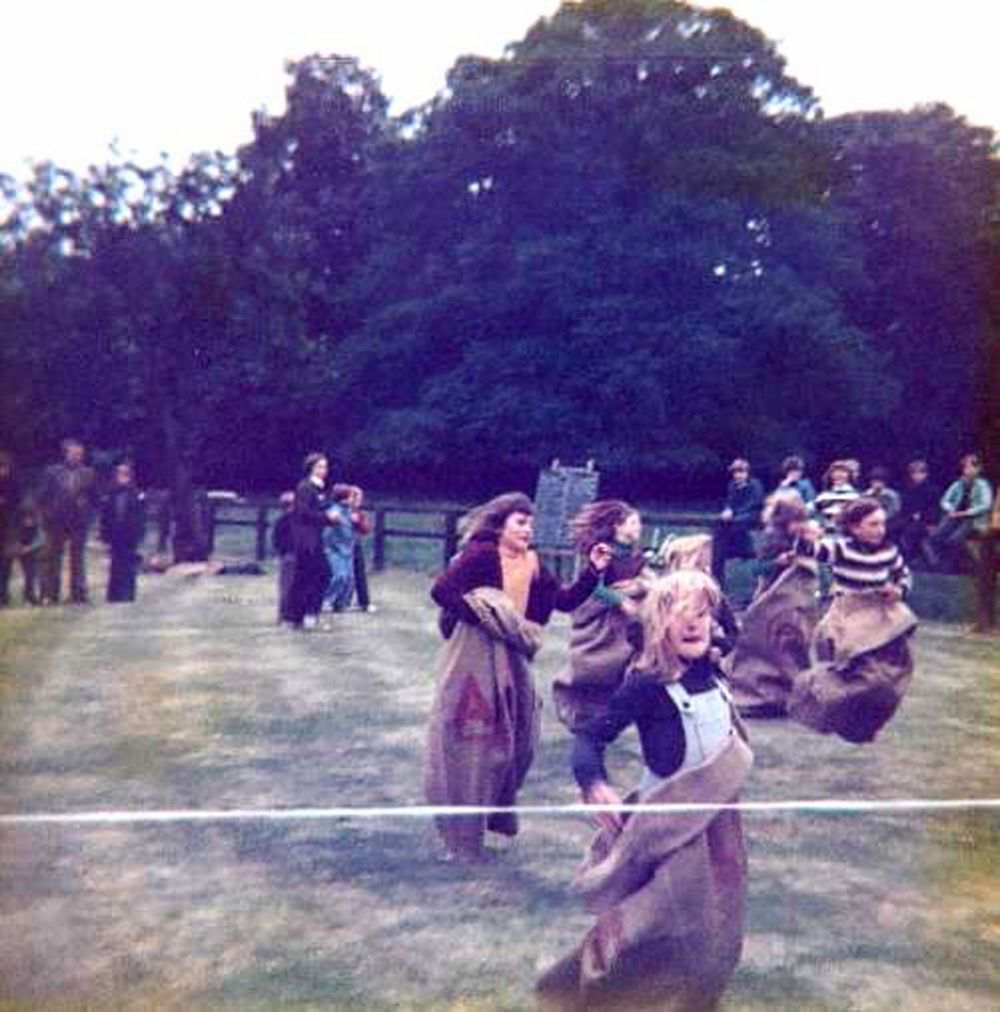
<point x="518" y="572"/>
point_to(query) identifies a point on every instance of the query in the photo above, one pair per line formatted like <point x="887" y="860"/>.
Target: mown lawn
<point x="193" y="698"/>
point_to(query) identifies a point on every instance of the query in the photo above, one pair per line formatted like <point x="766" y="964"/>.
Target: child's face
<point x="796" y="527"/>
<point x="970" y="470"/>
<point x="629" y="530"/>
<point x="517" y="531"/>
<point x="871" y="530"/>
<point x="840" y="476"/>
<point x="689" y="630"/>
<point x="794" y="475"/>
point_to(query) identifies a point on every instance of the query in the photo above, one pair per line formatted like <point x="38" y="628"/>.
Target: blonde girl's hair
<point x="679" y="591"/>
<point x="783" y="509"/>
<point x="690" y="551"/>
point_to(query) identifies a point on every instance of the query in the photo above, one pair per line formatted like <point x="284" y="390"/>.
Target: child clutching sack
<point x="668" y="889"/>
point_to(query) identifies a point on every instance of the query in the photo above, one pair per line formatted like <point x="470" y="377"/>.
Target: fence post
<point x="262" y="533"/>
<point x="450" y="535"/>
<point x="378" y="549"/>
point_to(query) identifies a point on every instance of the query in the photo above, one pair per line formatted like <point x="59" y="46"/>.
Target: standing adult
<point x="10" y="508"/>
<point x="733" y="534"/>
<point x="966" y="506"/>
<point x="918" y="511"/>
<point x="67" y="503"/>
<point x="123" y="526"/>
<point x="309" y="517"/>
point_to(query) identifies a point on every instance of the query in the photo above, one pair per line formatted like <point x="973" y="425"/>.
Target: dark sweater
<point x="746" y="501"/>
<point x="308" y="518"/>
<point x="642" y="701"/>
<point x="920" y="503"/>
<point x="479" y="566"/>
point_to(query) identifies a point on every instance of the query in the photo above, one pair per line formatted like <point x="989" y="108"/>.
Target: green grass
<point x="194" y="698"/>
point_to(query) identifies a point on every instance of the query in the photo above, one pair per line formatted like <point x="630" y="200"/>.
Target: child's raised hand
<point x="602" y="793"/>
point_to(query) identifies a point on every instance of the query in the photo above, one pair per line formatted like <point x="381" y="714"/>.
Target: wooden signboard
<point x="560" y="494"/>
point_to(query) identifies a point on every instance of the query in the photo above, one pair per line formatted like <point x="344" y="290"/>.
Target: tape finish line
<point x="190" y="815"/>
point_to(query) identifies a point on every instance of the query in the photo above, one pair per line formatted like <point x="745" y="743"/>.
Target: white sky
<point x="184" y="75"/>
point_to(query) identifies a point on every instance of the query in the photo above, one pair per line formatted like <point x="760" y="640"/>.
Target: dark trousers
<point x="949" y="539"/>
<point x="286" y="580"/>
<point x="312" y="576"/>
<point x="910" y="535"/>
<point x="361" y="576"/>
<point x="29" y="573"/>
<point x="121" y="578"/>
<point x="55" y="543"/>
<point x="730" y="540"/>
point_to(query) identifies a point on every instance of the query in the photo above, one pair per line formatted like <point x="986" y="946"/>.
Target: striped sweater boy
<point x="857" y="567"/>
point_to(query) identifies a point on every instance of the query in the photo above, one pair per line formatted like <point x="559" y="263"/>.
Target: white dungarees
<point x="708" y="724"/>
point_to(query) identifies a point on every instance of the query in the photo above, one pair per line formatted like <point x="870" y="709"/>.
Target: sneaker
<point x="310" y="622"/>
<point x="370" y="610"/>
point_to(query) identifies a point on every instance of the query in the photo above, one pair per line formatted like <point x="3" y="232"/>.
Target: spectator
<point x="918" y="511"/>
<point x="966" y="506"/>
<point x="338" y="543"/>
<point x="878" y="488"/>
<point x="793" y="468"/>
<point x="28" y="547"/>
<point x="362" y="526"/>
<point x="732" y="538"/>
<point x="837" y="492"/>
<point x="123" y="526"/>
<point x="67" y="499"/>
<point x="986" y="583"/>
<point x="309" y="517"/>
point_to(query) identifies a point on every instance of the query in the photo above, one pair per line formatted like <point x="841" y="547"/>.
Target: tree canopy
<point x="634" y="237"/>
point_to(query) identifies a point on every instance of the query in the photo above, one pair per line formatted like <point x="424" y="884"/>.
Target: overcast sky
<point x="184" y="75"/>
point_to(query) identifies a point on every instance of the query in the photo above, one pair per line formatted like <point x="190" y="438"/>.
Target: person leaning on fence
<point x="838" y="491"/>
<point x="283" y="543"/>
<point x="733" y="532"/>
<point x="309" y="518"/>
<point x="793" y="470"/>
<point x="966" y="506"/>
<point x="668" y="888"/>
<point x="123" y="526"/>
<point x="495" y="595"/>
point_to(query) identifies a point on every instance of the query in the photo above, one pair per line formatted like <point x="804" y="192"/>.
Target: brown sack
<point x="773" y="646"/>
<point x="863" y="668"/>
<point x="484" y="723"/>
<point x="669" y="893"/>
<point x="599" y="655"/>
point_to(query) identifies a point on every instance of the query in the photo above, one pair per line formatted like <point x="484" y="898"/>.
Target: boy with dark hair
<point x="732" y="537"/>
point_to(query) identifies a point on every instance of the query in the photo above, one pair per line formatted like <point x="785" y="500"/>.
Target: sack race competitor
<point x="863" y="667"/>
<point x="669" y="892"/>
<point x="773" y="647"/>
<point x="600" y="651"/>
<point x="484" y="725"/>
<point x="668" y="888"/>
<point x="604" y="629"/>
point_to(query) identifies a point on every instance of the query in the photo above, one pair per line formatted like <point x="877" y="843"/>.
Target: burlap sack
<point x="484" y="723"/>
<point x="863" y="667"/>
<point x="669" y="893"/>
<point x="773" y="646"/>
<point x="599" y="655"/>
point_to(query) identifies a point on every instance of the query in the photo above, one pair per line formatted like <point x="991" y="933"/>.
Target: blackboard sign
<point x="560" y="494"/>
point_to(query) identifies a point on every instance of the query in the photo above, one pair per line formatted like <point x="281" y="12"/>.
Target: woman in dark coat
<point x="123" y="526"/>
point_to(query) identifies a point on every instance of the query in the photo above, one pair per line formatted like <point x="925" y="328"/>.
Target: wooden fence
<point x="389" y="523"/>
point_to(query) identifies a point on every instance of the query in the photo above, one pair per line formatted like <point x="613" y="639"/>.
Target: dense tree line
<point x="634" y="238"/>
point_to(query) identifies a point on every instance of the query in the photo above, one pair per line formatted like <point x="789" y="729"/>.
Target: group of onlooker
<point x="318" y="542"/>
<point x="931" y="529"/>
<point x="40" y="525"/>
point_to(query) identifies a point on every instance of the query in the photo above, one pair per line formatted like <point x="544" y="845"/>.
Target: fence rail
<point x="262" y="511"/>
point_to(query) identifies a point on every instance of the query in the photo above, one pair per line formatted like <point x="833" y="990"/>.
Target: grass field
<point x="193" y="698"/>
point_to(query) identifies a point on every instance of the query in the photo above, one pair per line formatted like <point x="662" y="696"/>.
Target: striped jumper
<point x="857" y="566"/>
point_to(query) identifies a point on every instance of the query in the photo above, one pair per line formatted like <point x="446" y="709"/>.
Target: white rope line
<point x="181" y="815"/>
